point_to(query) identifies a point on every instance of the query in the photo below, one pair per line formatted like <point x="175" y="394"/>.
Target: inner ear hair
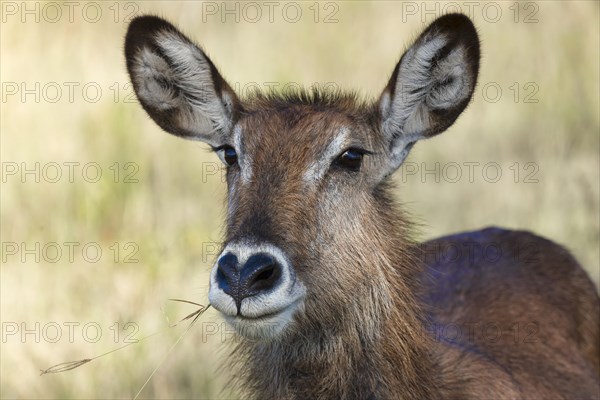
<point x="431" y="85"/>
<point x="176" y="83"/>
<point x="434" y="80"/>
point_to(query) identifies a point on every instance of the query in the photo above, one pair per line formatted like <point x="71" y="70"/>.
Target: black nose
<point x="259" y="274"/>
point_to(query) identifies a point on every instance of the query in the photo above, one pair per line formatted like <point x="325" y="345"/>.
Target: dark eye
<point x="229" y="155"/>
<point x="351" y="159"/>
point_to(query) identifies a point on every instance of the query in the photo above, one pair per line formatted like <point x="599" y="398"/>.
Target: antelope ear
<point x="176" y="83"/>
<point x="431" y="85"/>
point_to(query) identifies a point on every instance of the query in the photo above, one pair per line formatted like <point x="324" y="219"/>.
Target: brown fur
<point x="539" y="307"/>
<point x="480" y="315"/>
<point x="363" y="333"/>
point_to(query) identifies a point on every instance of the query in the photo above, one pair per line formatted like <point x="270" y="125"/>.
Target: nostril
<point x="261" y="272"/>
<point x="221" y="278"/>
<point x="227" y="274"/>
<point x="266" y="274"/>
<point x="265" y="277"/>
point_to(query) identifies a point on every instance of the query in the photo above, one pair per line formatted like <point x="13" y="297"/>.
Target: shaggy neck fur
<point x="373" y="347"/>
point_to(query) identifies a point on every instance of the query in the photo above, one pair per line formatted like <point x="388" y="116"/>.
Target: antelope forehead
<point x="316" y="167"/>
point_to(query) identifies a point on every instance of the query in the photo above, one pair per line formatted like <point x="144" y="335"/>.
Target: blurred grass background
<point x="174" y="212"/>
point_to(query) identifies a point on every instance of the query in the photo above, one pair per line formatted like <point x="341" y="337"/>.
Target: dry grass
<point x="174" y="212"/>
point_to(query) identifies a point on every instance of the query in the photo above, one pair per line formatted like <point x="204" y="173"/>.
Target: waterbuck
<point x="318" y="273"/>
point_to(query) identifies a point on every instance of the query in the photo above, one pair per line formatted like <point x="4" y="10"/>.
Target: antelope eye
<point x="229" y="155"/>
<point x="351" y="159"/>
